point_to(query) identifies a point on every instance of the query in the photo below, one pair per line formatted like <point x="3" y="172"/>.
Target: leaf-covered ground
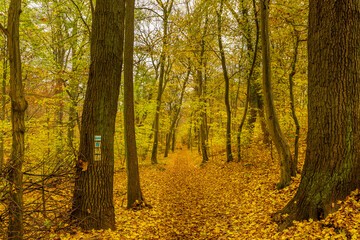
<point x="216" y="201"/>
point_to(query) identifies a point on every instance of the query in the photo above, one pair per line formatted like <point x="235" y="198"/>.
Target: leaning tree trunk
<point x="332" y="163"/>
<point x="18" y="107"/>
<point x="93" y="206"/>
<point x="134" y="195"/>
<point x="287" y="166"/>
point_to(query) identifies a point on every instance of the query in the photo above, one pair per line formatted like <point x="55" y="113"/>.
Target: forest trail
<point x="216" y="201"/>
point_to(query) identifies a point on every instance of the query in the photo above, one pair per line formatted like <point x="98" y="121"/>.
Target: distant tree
<point x="166" y="7"/>
<point x="287" y="166"/>
<point x="93" y="206"/>
<point x="250" y="78"/>
<point x="229" y="155"/>
<point x="332" y="163"/>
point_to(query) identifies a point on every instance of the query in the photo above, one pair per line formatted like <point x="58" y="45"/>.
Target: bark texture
<point x="134" y="194"/>
<point x="332" y="164"/>
<point x="18" y="107"/>
<point x="93" y="206"/>
<point x="287" y="166"/>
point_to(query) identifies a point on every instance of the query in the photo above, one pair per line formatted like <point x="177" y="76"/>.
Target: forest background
<point x="188" y="55"/>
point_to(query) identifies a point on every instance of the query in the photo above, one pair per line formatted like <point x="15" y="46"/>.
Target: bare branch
<point x="81" y="16"/>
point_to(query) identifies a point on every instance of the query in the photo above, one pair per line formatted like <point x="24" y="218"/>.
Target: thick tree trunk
<point x="134" y="194"/>
<point x="18" y="107"/>
<point x="93" y="206"/>
<point x="229" y="155"/>
<point x="287" y="166"/>
<point x="332" y="163"/>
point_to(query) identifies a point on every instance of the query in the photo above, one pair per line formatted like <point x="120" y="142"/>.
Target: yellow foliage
<point x="218" y="201"/>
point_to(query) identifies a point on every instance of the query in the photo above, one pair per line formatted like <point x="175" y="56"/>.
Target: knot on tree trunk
<point x="19" y="105"/>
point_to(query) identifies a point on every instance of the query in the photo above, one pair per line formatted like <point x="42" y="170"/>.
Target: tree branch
<point x="4" y="30"/>
<point x="81" y="16"/>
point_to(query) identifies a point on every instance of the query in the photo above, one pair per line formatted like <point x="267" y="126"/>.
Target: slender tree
<point x="287" y="166"/>
<point x="229" y="155"/>
<point x="249" y="82"/>
<point x="175" y="116"/>
<point x="292" y="100"/>
<point x="166" y="7"/>
<point x="18" y="107"/>
<point x="332" y="162"/>
<point x="93" y="206"/>
<point x="134" y="195"/>
<point x="3" y="104"/>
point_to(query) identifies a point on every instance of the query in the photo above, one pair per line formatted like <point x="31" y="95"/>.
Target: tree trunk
<point x="332" y="163"/>
<point x="171" y="133"/>
<point x="229" y="155"/>
<point x="167" y="143"/>
<point x="134" y="195"/>
<point x="3" y="105"/>
<point x="173" y="141"/>
<point x="93" y="206"/>
<point x="59" y="57"/>
<point x="287" y="166"/>
<point x="73" y="89"/>
<point x="166" y="10"/>
<point x="18" y="107"/>
<point x="157" y="111"/>
<point x="250" y="76"/>
<point x="292" y="101"/>
<point x="202" y="128"/>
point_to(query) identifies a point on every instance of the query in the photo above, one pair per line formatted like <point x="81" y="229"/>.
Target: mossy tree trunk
<point x="93" y="206"/>
<point x="332" y="163"/>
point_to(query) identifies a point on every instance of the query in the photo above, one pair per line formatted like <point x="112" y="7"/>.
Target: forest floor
<point x="216" y="201"/>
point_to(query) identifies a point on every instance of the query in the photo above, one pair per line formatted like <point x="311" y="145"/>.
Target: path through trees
<point x="232" y="201"/>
